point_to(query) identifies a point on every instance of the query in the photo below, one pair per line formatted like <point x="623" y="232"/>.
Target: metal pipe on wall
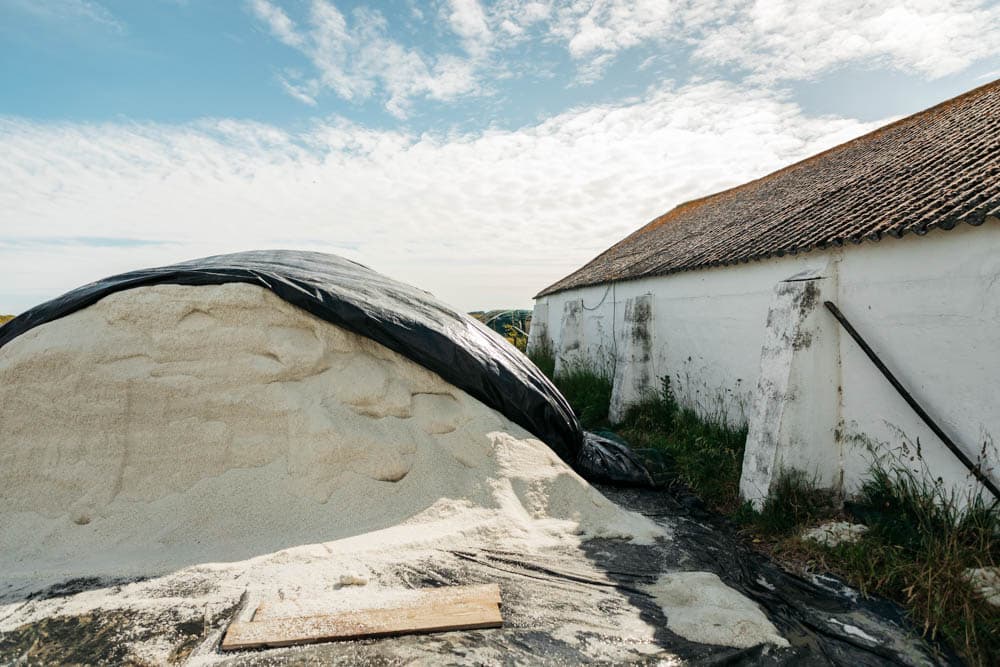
<point x="912" y="402"/>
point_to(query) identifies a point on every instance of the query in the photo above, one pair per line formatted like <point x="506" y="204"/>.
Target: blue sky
<point x="478" y="149"/>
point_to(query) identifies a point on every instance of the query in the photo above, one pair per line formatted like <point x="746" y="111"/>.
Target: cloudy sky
<point x="480" y="150"/>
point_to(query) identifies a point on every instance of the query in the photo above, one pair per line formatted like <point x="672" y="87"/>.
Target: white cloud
<point x="516" y="16"/>
<point x="603" y="26"/>
<point x="72" y="10"/>
<point x="482" y="220"/>
<point x="356" y="58"/>
<point x="798" y="39"/>
<point x="782" y="39"/>
<point x="468" y="21"/>
<point x="277" y="20"/>
<point x="303" y="89"/>
<point x="769" y="40"/>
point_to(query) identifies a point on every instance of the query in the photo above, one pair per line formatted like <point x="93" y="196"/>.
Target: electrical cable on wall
<point x="611" y="288"/>
<point x="614" y="338"/>
<point x="599" y="303"/>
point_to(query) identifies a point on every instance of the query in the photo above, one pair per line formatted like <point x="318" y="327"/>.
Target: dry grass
<point x="919" y="544"/>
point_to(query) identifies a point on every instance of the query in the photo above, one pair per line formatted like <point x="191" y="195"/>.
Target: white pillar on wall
<point x="570" y="335"/>
<point x="634" y="375"/>
<point x="795" y="413"/>
<point x="538" y="335"/>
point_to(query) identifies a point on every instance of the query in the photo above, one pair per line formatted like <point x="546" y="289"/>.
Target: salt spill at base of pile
<point x="700" y="608"/>
<point x="235" y="445"/>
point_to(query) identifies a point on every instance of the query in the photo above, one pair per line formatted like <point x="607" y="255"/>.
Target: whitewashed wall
<point x="929" y="306"/>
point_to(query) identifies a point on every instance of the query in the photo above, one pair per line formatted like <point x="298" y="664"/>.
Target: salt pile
<point x="171" y="426"/>
<point x="186" y="453"/>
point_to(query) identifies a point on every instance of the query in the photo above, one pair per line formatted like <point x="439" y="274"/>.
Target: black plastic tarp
<point x="562" y="605"/>
<point x="407" y="320"/>
<point x="823" y="621"/>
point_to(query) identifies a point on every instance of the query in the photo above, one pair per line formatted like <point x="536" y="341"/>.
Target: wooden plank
<point x="358" y="624"/>
<point x="441" y="610"/>
<point x="321" y="606"/>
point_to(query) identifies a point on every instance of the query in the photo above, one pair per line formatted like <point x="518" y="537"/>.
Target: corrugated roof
<point x="936" y="168"/>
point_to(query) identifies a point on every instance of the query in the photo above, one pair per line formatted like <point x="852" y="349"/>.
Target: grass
<point x="920" y="539"/>
<point x="793" y="503"/>
<point x="705" y="454"/>
<point x="585" y="386"/>
<point x="588" y="391"/>
<point x="4" y="319"/>
<point x="919" y="544"/>
<point x="544" y="357"/>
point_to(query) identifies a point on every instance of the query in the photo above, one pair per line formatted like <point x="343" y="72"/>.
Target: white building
<point x="725" y="295"/>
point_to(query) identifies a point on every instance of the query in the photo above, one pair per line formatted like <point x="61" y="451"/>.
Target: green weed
<point x="516" y="337"/>
<point x="706" y="454"/>
<point x="544" y="357"/>
<point x="794" y="502"/>
<point x="920" y="542"/>
<point x="588" y="390"/>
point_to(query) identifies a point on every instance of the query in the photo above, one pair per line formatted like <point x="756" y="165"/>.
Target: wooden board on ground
<point x="427" y="610"/>
<point x="331" y="604"/>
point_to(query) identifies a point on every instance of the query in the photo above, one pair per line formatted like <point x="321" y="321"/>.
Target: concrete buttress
<point x="570" y="336"/>
<point x="634" y="374"/>
<point x="538" y="335"/>
<point x="795" y="411"/>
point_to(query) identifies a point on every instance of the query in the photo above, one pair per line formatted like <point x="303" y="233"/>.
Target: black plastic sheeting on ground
<point x="561" y="606"/>
<point x="404" y="319"/>
<point x="555" y="605"/>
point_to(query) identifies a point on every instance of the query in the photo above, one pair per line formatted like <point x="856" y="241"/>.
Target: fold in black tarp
<point x="404" y="319"/>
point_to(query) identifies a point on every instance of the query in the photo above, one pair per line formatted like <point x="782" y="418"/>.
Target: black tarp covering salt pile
<point x="556" y="601"/>
<point x="401" y="317"/>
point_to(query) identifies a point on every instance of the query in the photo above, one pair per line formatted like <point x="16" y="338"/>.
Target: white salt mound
<point x="169" y="426"/>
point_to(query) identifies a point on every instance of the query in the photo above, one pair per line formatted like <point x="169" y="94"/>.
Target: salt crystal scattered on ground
<point x="835" y="532"/>
<point x="701" y="608"/>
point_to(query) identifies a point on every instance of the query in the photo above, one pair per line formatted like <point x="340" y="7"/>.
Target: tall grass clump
<point x="927" y="538"/>
<point x="705" y="453"/>
<point x="921" y="541"/>
<point x="587" y="388"/>
<point x="544" y="356"/>
<point x="793" y="502"/>
<point x="585" y="384"/>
